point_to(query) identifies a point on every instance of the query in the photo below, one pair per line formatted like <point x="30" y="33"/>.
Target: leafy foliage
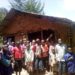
<point x="28" y="6"/>
<point x="3" y="13"/>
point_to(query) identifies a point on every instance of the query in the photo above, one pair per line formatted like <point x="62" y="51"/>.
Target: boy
<point x="70" y="61"/>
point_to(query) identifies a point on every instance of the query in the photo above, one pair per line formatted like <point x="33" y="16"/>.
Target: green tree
<point x="28" y="6"/>
<point x="3" y="13"/>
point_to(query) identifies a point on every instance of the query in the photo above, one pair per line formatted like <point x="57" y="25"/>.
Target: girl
<point x="29" y="58"/>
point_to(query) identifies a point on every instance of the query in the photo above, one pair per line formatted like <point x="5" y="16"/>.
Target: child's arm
<point x="70" y="58"/>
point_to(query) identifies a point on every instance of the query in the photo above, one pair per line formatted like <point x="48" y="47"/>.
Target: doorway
<point x="44" y="34"/>
<point x="9" y="39"/>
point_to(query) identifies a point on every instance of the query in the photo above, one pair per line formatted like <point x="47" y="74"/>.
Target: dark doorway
<point x="34" y="35"/>
<point x="48" y="34"/>
<point x="9" y="38"/>
<point x="44" y="34"/>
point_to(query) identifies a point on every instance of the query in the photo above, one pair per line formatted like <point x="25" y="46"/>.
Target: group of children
<point x="36" y="56"/>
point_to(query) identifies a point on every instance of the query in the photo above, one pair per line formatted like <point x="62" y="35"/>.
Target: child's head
<point x="70" y="49"/>
<point x="33" y="42"/>
<point x="43" y="42"/>
<point x="59" y="41"/>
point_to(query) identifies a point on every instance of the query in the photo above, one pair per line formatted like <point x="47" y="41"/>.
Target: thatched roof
<point x="14" y="12"/>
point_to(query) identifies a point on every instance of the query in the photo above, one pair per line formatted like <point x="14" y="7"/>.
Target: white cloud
<point x="5" y="3"/>
<point x="69" y="5"/>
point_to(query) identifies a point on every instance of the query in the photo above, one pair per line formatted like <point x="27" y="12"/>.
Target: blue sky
<point x="59" y="8"/>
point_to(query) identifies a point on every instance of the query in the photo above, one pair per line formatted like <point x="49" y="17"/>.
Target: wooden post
<point x="41" y="34"/>
<point x="70" y="35"/>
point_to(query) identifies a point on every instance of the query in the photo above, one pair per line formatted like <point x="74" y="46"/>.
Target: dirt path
<point x="24" y="72"/>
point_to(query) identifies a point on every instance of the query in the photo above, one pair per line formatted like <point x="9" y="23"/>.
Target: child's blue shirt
<point x="70" y="63"/>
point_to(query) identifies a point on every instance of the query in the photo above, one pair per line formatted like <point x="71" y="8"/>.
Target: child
<point x="70" y="61"/>
<point x="53" y="62"/>
<point x="29" y="58"/>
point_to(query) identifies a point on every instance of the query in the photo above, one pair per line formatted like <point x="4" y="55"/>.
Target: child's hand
<point x="70" y="58"/>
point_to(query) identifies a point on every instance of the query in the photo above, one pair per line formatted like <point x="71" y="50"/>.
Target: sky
<point x="57" y="8"/>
